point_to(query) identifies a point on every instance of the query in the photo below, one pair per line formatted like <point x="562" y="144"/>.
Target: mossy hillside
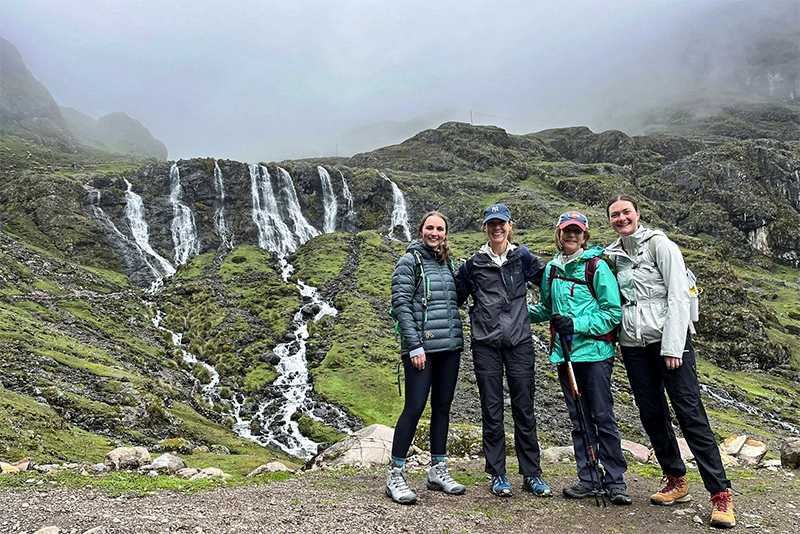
<point x="323" y="260"/>
<point x="359" y="371"/>
<point x="30" y="429"/>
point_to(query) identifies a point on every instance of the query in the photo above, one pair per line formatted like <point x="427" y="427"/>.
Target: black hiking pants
<point x="439" y="378"/>
<point x="594" y="385"/>
<point x="518" y="362"/>
<point x="649" y="379"/>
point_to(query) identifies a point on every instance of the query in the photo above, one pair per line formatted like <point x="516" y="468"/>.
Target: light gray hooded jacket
<point x="654" y="289"/>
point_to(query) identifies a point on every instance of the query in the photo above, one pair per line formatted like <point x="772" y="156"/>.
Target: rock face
<point x="26" y="107"/>
<point x="115" y="132"/>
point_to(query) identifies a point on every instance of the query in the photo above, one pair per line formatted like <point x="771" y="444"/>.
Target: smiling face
<point x="498" y="231"/>
<point x="624" y="217"/>
<point x="434" y="231"/>
<point x="572" y="239"/>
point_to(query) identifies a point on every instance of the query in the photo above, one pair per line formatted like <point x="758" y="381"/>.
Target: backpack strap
<point x="466" y="274"/>
<point x="420" y="278"/>
<point x="589" y="272"/>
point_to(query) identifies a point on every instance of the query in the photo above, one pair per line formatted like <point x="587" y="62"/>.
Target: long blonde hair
<point x="444" y="246"/>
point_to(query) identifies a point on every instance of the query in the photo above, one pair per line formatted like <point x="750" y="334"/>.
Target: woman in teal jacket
<point x="588" y="315"/>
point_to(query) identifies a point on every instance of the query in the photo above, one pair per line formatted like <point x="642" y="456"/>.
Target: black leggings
<point x="439" y="377"/>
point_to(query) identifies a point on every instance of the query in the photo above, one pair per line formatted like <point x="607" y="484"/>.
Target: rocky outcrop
<point x="746" y="194"/>
<point x="27" y="109"/>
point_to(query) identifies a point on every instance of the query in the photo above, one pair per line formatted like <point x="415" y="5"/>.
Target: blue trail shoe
<point x="537" y="486"/>
<point x="500" y="486"/>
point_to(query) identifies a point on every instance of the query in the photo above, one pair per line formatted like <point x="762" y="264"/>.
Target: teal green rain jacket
<point x="590" y="317"/>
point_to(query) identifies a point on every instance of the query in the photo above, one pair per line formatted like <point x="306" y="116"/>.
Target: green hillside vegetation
<point x="84" y="367"/>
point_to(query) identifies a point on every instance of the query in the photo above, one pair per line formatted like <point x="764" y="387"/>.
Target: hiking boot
<point x="537" y="486"/>
<point x="581" y="490"/>
<point x="500" y="486"/>
<point x="439" y="479"/>
<point x="722" y="511"/>
<point x="397" y="487"/>
<point x="676" y="489"/>
<point x="619" y="496"/>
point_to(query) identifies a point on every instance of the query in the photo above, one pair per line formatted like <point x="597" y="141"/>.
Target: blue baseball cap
<point x="573" y="217"/>
<point x="497" y="211"/>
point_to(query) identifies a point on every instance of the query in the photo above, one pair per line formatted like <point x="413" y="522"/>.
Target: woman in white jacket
<point x="659" y="356"/>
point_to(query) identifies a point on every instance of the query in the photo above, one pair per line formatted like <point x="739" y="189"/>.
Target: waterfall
<point x="275" y="414"/>
<point x="225" y="234"/>
<point x="350" y="216"/>
<point x="329" y="200"/>
<point x="184" y="232"/>
<point x="105" y="220"/>
<point x="399" y="212"/>
<point x="273" y="234"/>
<point x="302" y="229"/>
<point x="134" y="211"/>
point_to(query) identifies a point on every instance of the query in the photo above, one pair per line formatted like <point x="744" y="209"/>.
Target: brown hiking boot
<point x="676" y="489"/>
<point x="722" y="513"/>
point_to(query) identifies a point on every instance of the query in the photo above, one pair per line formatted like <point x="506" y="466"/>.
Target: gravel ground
<point x="331" y="501"/>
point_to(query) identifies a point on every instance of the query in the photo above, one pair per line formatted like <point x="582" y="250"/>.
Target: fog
<point x="269" y="80"/>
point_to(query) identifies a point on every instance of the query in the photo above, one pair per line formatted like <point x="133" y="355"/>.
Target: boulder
<point x="23" y="464"/>
<point x="8" y="468"/>
<point x="686" y="452"/>
<point x="370" y="446"/>
<point x="127" y="458"/>
<point x="165" y="462"/>
<point x="790" y="454"/>
<point x="733" y="444"/>
<point x="640" y="453"/>
<point x="187" y="472"/>
<point x="753" y="451"/>
<point x="210" y="472"/>
<point x="556" y="454"/>
<point x="271" y="467"/>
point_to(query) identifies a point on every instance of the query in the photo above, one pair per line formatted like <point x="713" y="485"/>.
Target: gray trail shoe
<point x="397" y="487"/>
<point x="439" y="479"/>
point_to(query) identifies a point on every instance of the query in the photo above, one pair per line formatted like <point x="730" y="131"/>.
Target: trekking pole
<point x="591" y="459"/>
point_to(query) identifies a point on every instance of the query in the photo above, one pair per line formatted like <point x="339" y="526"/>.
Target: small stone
<point x="697" y="520"/>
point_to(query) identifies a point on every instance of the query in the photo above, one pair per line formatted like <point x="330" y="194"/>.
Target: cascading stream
<point x="350" y="215"/>
<point x="331" y="205"/>
<point x="220" y="225"/>
<point x="134" y="212"/>
<point x="184" y="231"/>
<point x="399" y="211"/>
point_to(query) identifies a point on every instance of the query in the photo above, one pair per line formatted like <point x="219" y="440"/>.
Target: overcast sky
<point x="276" y="79"/>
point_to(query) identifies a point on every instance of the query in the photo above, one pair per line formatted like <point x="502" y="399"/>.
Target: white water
<point x="221" y="226"/>
<point x="273" y="234"/>
<point x="720" y="395"/>
<point x="134" y="211"/>
<point x="302" y="228"/>
<point x="106" y="221"/>
<point x="399" y="211"/>
<point x="329" y="201"/>
<point x="350" y="216"/>
<point x="184" y="232"/>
